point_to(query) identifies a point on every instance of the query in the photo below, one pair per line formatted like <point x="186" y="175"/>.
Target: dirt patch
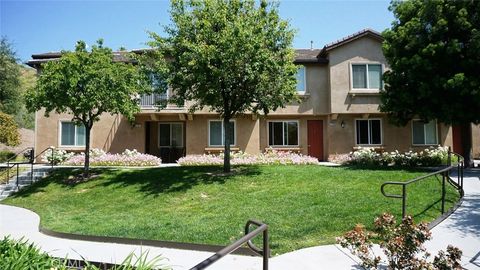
<point x="78" y="178"/>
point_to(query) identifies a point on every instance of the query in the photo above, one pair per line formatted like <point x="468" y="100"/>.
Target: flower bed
<point x="99" y="157"/>
<point x="271" y="156"/>
<point x="428" y="157"/>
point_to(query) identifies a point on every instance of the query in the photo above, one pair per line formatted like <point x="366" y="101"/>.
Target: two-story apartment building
<point x="339" y="89"/>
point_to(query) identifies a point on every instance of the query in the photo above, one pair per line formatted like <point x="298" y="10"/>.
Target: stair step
<point x="24" y="179"/>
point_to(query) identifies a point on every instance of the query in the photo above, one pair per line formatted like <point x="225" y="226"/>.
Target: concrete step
<point x="24" y="179"/>
<point x="21" y="182"/>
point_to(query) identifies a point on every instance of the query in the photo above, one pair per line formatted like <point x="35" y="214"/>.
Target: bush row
<point x="432" y="156"/>
<point x="99" y="157"/>
<point x="271" y="156"/>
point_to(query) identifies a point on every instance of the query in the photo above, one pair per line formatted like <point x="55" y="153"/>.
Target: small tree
<point x="8" y="130"/>
<point x="86" y="85"/>
<point x="433" y="52"/>
<point x="230" y="56"/>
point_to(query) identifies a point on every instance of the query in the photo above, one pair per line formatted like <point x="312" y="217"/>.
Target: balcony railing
<point x="150" y="100"/>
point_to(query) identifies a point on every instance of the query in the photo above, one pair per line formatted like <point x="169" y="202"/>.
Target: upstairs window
<point x="283" y="133"/>
<point x="301" y="79"/>
<point x="72" y="134"/>
<point x="424" y="133"/>
<point x="369" y="132"/>
<point x="216" y="133"/>
<point x="367" y="76"/>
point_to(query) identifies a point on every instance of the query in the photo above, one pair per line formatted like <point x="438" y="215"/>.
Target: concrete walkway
<point x="461" y="229"/>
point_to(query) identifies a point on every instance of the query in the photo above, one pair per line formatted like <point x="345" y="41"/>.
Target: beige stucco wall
<point x="363" y="50"/>
<point x="113" y="133"/>
<point x="342" y="140"/>
<point x="303" y="132"/>
<point x="316" y="98"/>
<point x="247" y="130"/>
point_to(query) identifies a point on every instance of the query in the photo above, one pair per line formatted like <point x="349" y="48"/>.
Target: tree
<point x="10" y="99"/>
<point x="86" y="85"/>
<point x="230" y="56"/>
<point x="433" y="51"/>
<point x="8" y="130"/>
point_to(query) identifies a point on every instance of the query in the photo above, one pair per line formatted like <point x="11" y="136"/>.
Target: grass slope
<point x="303" y="205"/>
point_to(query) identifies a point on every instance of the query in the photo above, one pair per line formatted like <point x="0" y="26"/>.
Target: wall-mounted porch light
<point x="342" y="124"/>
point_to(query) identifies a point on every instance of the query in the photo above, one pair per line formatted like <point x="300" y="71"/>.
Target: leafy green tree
<point x="10" y="99"/>
<point x="28" y="79"/>
<point x="87" y="84"/>
<point x="433" y="49"/>
<point x="8" y="130"/>
<point x="230" y="56"/>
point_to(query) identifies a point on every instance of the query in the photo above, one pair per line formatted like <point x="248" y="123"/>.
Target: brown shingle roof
<point x="38" y="59"/>
<point x="301" y="55"/>
<point x="365" y="32"/>
<point x="309" y="56"/>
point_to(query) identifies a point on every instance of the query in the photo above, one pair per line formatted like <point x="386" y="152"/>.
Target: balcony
<point x="149" y="101"/>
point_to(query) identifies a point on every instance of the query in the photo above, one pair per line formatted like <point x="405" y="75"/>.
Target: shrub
<point x="431" y="156"/>
<point x="56" y="156"/>
<point x="22" y="255"/>
<point x="402" y="245"/>
<point x="98" y="157"/>
<point x="6" y="155"/>
<point x="271" y="156"/>
<point x="8" y="130"/>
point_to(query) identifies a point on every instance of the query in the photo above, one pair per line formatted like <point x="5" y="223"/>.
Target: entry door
<point x="457" y="139"/>
<point x="171" y="141"/>
<point x="315" y="138"/>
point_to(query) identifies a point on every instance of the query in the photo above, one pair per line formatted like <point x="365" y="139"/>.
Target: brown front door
<point x="315" y="138"/>
<point x="457" y="139"/>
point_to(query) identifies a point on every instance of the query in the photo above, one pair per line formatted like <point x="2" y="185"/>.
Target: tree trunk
<point x="86" y="168"/>
<point x="226" y="139"/>
<point x="466" y="133"/>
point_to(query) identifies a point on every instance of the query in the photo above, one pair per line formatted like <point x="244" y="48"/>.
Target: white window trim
<point x="170" y="123"/>
<point x="223" y="130"/>
<point x="304" y="80"/>
<point x="283" y="132"/>
<point x="368" y="88"/>
<point x="381" y="131"/>
<point x="74" y="138"/>
<point x="424" y="134"/>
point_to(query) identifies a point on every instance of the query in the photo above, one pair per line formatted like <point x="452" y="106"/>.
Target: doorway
<point x="315" y="138"/>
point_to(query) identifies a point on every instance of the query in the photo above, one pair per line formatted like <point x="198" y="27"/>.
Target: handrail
<point x="10" y="165"/>
<point x="445" y="178"/>
<point x="45" y="150"/>
<point x="18" y="153"/>
<point x="247" y="238"/>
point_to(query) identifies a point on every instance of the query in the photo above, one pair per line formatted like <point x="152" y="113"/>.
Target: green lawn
<point x="303" y="205"/>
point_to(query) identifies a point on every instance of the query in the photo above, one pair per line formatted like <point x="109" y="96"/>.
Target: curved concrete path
<point x="461" y="229"/>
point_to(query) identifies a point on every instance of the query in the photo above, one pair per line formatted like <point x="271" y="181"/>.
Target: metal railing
<point x="28" y="153"/>
<point x="444" y="172"/>
<point x="249" y="235"/>
<point x="13" y="164"/>
<point x="151" y="100"/>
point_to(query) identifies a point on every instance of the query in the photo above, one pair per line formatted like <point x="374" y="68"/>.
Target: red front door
<point x="457" y="139"/>
<point x="315" y="138"/>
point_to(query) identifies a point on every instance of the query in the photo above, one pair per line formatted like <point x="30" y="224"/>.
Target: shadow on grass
<point x="152" y="182"/>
